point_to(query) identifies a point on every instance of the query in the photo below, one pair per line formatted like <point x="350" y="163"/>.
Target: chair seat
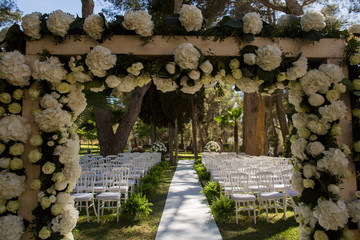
<point x="270" y="195"/>
<point x="279" y="187"/>
<point x="243" y="197"/>
<point x="98" y="188"/>
<point x="108" y="196"/>
<point x="253" y="188"/>
<point x="83" y="196"/>
<point x="292" y="193"/>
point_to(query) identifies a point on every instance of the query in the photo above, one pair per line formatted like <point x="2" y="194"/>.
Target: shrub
<point x="137" y="206"/>
<point x="222" y="209"/>
<point x="211" y="191"/>
<point x="153" y="179"/>
<point x="148" y="189"/>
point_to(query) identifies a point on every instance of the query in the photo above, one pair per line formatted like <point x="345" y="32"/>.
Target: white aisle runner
<point x="186" y="215"/>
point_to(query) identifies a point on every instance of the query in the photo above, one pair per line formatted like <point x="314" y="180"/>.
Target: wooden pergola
<point x="326" y="50"/>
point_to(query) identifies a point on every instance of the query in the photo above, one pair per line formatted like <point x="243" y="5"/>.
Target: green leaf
<point x="356" y="93"/>
<point x="234" y="23"/>
<point x="249" y="49"/>
<point x="249" y="37"/>
<point x="265" y="75"/>
<point x="247" y="73"/>
<point x="348" y="84"/>
<point x="313" y="35"/>
<point x="224" y="20"/>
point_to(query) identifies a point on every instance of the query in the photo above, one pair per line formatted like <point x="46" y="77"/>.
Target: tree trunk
<point x="127" y="122"/>
<point x="294" y="7"/>
<point x="171" y="141"/>
<point x="152" y="131"/>
<point x="273" y="128"/>
<point x="194" y="123"/>
<point x="105" y="131"/>
<point x="182" y="141"/>
<point x="202" y="144"/>
<point x="281" y="115"/>
<point x="177" y="5"/>
<point x="236" y="137"/>
<point x="176" y="141"/>
<point x="87" y="7"/>
<point x="254" y="124"/>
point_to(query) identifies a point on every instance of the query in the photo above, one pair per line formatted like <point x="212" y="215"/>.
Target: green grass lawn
<point x="109" y="229"/>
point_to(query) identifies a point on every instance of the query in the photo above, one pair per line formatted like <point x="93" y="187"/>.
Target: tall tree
<point x="9" y="12"/>
<point x="87" y="7"/>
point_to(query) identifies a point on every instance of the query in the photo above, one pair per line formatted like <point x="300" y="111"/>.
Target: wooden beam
<point x="163" y="45"/>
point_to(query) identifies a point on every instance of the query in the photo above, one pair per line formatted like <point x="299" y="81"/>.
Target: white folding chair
<point x="85" y="192"/>
<point x="268" y="198"/>
<point x="289" y="192"/>
<point x="240" y="194"/>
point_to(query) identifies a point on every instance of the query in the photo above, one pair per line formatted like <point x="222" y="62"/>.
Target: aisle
<point x="186" y="215"/>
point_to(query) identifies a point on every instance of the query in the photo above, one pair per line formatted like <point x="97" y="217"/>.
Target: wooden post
<point x="254" y="124"/>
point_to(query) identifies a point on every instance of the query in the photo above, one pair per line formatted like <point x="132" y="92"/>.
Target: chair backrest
<point x="86" y="182"/>
<point x="265" y="181"/>
<point x="125" y="172"/>
<point x="111" y="180"/>
<point x="239" y="182"/>
<point x="286" y="176"/>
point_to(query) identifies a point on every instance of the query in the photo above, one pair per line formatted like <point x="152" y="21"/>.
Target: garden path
<point x="186" y="215"/>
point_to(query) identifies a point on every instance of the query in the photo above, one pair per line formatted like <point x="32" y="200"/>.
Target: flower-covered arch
<point x="41" y="96"/>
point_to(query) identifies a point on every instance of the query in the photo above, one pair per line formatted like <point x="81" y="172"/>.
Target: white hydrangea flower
<point x="212" y="147"/>
<point x="186" y="56"/>
<point x="15" y="128"/>
<point x="297" y="182"/>
<point x="51" y="70"/>
<point x="76" y="100"/>
<point x="334" y="161"/>
<point x="331" y="215"/>
<point x="165" y="84"/>
<point x="158" y="147"/>
<point x="140" y="21"/>
<point x="295" y="98"/>
<point x="11" y="185"/>
<point x="315" y="148"/>
<point x="14" y="69"/>
<point x="305" y="216"/>
<point x="301" y="120"/>
<point x="31" y="25"/>
<point x="100" y="59"/>
<point x="354" y="210"/>
<point x="191" y="17"/>
<point x="315" y="81"/>
<point x="142" y="80"/>
<point x="333" y="71"/>
<point x="94" y="26"/>
<point x="112" y="81"/>
<point x="298" y="69"/>
<point x="316" y="100"/>
<point x="66" y="221"/>
<point x="59" y="22"/>
<point x="72" y="172"/>
<point x="127" y="83"/>
<point x="354" y="28"/>
<point x="269" y="57"/>
<point x="312" y="20"/>
<point x="319" y="127"/>
<point x="185" y="88"/>
<point x="249" y="58"/>
<point x="334" y="111"/>
<point x="52" y="119"/>
<point x="252" y="23"/>
<point x="11" y="227"/>
<point x="284" y="20"/>
<point x="247" y="85"/>
<point x="298" y="148"/>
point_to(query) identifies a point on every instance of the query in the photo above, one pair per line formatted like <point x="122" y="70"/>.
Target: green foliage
<point x="202" y="173"/>
<point x="141" y="129"/>
<point x="222" y="209"/>
<point x="148" y="189"/>
<point x="9" y="12"/>
<point x="137" y="206"/>
<point x="212" y="191"/>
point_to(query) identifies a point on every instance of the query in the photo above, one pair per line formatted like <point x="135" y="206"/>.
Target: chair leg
<point x="93" y="203"/>
<point x="87" y="211"/>
<point x="267" y="210"/>
<point x="254" y="206"/>
<point x="98" y="215"/>
<point x="236" y="211"/>
<point x="284" y="207"/>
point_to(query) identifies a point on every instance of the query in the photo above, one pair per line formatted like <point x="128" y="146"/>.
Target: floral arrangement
<point x="94" y="26"/>
<point x="191" y="17"/>
<point x="212" y="147"/>
<point x="158" y="147"/>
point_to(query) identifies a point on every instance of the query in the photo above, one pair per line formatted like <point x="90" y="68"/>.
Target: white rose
<point x="170" y="67"/>
<point x="341" y="88"/>
<point x="315" y="148"/>
<point x="58" y="177"/>
<point x="59" y="22"/>
<point x="100" y="59"/>
<point x="312" y="20"/>
<point x="56" y="209"/>
<point x="309" y="171"/>
<point x="94" y="26"/>
<point x="318" y="127"/>
<point x="12" y="206"/>
<point x="36" y="140"/>
<point x="2" y="148"/>
<point x="45" y="202"/>
<point x="35" y="184"/>
<point x="336" y="130"/>
<point x="234" y="64"/>
<point x="48" y="168"/>
<point x="34" y="93"/>
<point x="52" y="198"/>
<point x="34" y="155"/>
<point x="186" y="56"/>
<point x="44" y="233"/>
<point x="354" y="59"/>
<point x="356" y="84"/>
<point x="316" y="100"/>
<point x="59" y="186"/>
<point x="332" y="95"/>
<point x="333" y="189"/>
<point x="237" y="74"/>
<point x="249" y="58"/>
<point x="16" y="164"/>
<point x="297" y="182"/>
<point x="14" y="108"/>
<point x="298" y="148"/>
<point x="4" y="162"/>
<point x="357" y="146"/>
<point x="5" y="98"/>
<point x="2" y="111"/>
<point x="206" y="67"/>
<point x="320" y="235"/>
<point x="269" y="57"/>
<point x="190" y="17"/>
<point x="112" y="81"/>
<point x="346" y="174"/>
<point x="252" y="23"/>
<point x="31" y="25"/>
<point x="2" y="208"/>
<point x="194" y="74"/>
<point x="63" y="88"/>
<point x="18" y="94"/>
<point x="308" y="183"/>
<point x="304" y="132"/>
<point x="346" y="149"/>
<point x="17" y="149"/>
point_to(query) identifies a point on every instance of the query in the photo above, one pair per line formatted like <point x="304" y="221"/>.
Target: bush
<point x="222" y="209"/>
<point x="164" y="164"/>
<point x="211" y="191"/>
<point x="137" y="206"/>
<point x="153" y="179"/>
<point x="203" y="174"/>
<point x="148" y="189"/>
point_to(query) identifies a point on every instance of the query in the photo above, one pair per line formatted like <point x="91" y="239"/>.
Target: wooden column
<point x="254" y="124"/>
